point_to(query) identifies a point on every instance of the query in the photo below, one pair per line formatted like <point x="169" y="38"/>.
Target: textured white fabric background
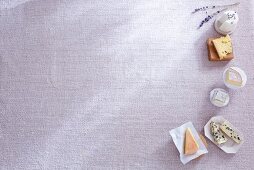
<point x="97" y="84"/>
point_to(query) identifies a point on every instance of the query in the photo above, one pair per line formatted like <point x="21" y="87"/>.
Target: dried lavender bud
<point x="205" y="20"/>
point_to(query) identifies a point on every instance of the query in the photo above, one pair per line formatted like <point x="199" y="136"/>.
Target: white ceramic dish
<point x="241" y="72"/>
<point x="226" y="23"/>
<point x="230" y="146"/>
<point x="216" y="103"/>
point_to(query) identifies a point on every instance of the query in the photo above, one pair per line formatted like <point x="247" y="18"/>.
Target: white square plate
<point x="230" y="146"/>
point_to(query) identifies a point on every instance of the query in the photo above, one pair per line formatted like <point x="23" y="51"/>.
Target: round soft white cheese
<point x="226" y="23"/>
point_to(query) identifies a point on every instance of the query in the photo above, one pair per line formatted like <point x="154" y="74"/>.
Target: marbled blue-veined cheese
<point x="218" y="136"/>
<point x="225" y="127"/>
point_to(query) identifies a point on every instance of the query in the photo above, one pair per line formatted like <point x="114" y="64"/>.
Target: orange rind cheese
<point x="191" y="145"/>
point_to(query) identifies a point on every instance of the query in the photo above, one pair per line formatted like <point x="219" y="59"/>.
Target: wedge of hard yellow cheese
<point x="190" y="146"/>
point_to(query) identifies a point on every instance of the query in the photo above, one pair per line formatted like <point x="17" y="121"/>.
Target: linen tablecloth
<point x="98" y="84"/>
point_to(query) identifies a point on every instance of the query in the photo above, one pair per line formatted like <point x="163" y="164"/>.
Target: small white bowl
<point x="226" y="22"/>
<point x="217" y="102"/>
<point x="242" y="74"/>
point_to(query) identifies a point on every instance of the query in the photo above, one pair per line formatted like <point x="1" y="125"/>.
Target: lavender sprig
<point x="209" y="17"/>
<point x="205" y="8"/>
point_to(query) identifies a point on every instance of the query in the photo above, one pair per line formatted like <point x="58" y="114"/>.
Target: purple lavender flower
<point x="205" y="20"/>
<point x="209" y="17"/>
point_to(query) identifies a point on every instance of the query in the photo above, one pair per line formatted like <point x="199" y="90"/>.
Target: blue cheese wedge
<point x="218" y="136"/>
<point x="225" y="127"/>
<point x="223" y="46"/>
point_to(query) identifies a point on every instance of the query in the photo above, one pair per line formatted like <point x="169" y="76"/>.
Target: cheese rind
<point x="218" y="136"/>
<point x="191" y="146"/>
<point x="203" y="140"/>
<point x="223" y="46"/>
<point x="225" y="127"/>
<point x="212" y="53"/>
